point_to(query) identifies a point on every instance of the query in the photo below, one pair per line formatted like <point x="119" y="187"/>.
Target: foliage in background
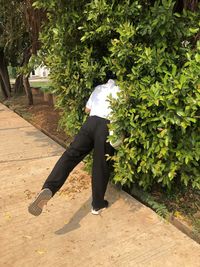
<point x="156" y="56"/>
<point x="14" y="37"/>
<point x="19" y="30"/>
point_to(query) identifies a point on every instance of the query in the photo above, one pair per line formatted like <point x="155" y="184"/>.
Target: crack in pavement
<point x="15" y="128"/>
<point x="35" y="158"/>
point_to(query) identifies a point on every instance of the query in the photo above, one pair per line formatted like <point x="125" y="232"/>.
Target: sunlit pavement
<point x="66" y="233"/>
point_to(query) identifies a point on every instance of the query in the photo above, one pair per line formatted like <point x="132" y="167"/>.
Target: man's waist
<point x="99" y="118"/>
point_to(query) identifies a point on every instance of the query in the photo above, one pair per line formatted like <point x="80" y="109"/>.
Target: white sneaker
<point x="98" y="211"/>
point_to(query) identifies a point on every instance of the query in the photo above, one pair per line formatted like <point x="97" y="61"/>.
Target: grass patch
<point x="43" y="85"/>
<point x="181" y="201"/>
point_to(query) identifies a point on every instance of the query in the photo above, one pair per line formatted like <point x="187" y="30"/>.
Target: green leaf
<point x="193" y="30"/>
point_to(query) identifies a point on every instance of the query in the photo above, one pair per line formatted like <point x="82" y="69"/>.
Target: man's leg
<point x="67" y="162"/>
<point x="101" y="169"/>
<point x="78" y="149"/>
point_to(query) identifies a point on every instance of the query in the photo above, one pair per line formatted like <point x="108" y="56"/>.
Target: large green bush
<point x="156" y="57"/>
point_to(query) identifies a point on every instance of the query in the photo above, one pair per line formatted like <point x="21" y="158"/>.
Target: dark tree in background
<point x="186" y="4"/>
<point x="19" y="32"/>
<point x="33" y="22"/>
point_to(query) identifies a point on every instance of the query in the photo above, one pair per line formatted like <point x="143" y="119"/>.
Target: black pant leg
<point x="78" y="149"/>
<point x="101" y="168"/>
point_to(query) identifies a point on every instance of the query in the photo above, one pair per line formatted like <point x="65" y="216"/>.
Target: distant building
<point x="40" y="71"/>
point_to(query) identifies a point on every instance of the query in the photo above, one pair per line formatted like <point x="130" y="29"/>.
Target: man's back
<point x="98" y="103"/>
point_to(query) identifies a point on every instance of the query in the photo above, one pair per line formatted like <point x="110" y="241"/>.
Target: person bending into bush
<point x="92" y="135"/>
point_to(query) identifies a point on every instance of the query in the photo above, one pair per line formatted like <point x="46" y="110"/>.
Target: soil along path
<point x="67" y="234"/>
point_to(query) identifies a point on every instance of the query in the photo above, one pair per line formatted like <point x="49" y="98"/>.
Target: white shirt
<point x="98" y="102"/>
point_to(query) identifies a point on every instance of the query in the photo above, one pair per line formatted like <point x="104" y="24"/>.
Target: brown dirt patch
<point x="41" y="114"/>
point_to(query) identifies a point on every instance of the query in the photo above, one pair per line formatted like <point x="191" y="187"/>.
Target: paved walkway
<point x="67" y="234"/>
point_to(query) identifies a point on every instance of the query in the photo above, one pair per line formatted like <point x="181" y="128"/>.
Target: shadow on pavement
<point x="112" y="195"/>
<point x="73" y="223"/>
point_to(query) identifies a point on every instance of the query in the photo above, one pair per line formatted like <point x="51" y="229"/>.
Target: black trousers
<point x="92" y="135"/>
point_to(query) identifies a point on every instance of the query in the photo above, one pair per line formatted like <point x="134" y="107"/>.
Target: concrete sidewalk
<point x="67" y="234"/>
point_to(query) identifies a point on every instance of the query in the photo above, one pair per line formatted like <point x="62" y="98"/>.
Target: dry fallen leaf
<point x="39" y="251"/>
<point x="7" y="216"/>
<point x="178" y="215"/>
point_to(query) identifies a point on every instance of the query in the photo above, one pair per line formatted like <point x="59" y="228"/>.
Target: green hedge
<point x="156" y="58"/>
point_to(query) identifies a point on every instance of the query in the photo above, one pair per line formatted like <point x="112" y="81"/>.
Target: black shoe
<point x="97" y="211"/>
<point x="35" y="208"/>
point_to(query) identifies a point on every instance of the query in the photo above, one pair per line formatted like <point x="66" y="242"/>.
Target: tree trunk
<point x="3" y="88"/>
<point x="186" y="4"/>
<point x="34" y="19"/>
<point x="4" y="74"/>
<point x="190" y="4"/>
<point x="28" y="89"/>
<point x="18" y="87"/>
<point x="26" y="57"/>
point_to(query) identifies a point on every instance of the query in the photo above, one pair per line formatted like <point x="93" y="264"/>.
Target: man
<point x="92" y="135"/>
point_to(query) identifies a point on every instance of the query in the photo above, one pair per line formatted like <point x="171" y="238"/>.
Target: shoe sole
<point x="43" y="197"/>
